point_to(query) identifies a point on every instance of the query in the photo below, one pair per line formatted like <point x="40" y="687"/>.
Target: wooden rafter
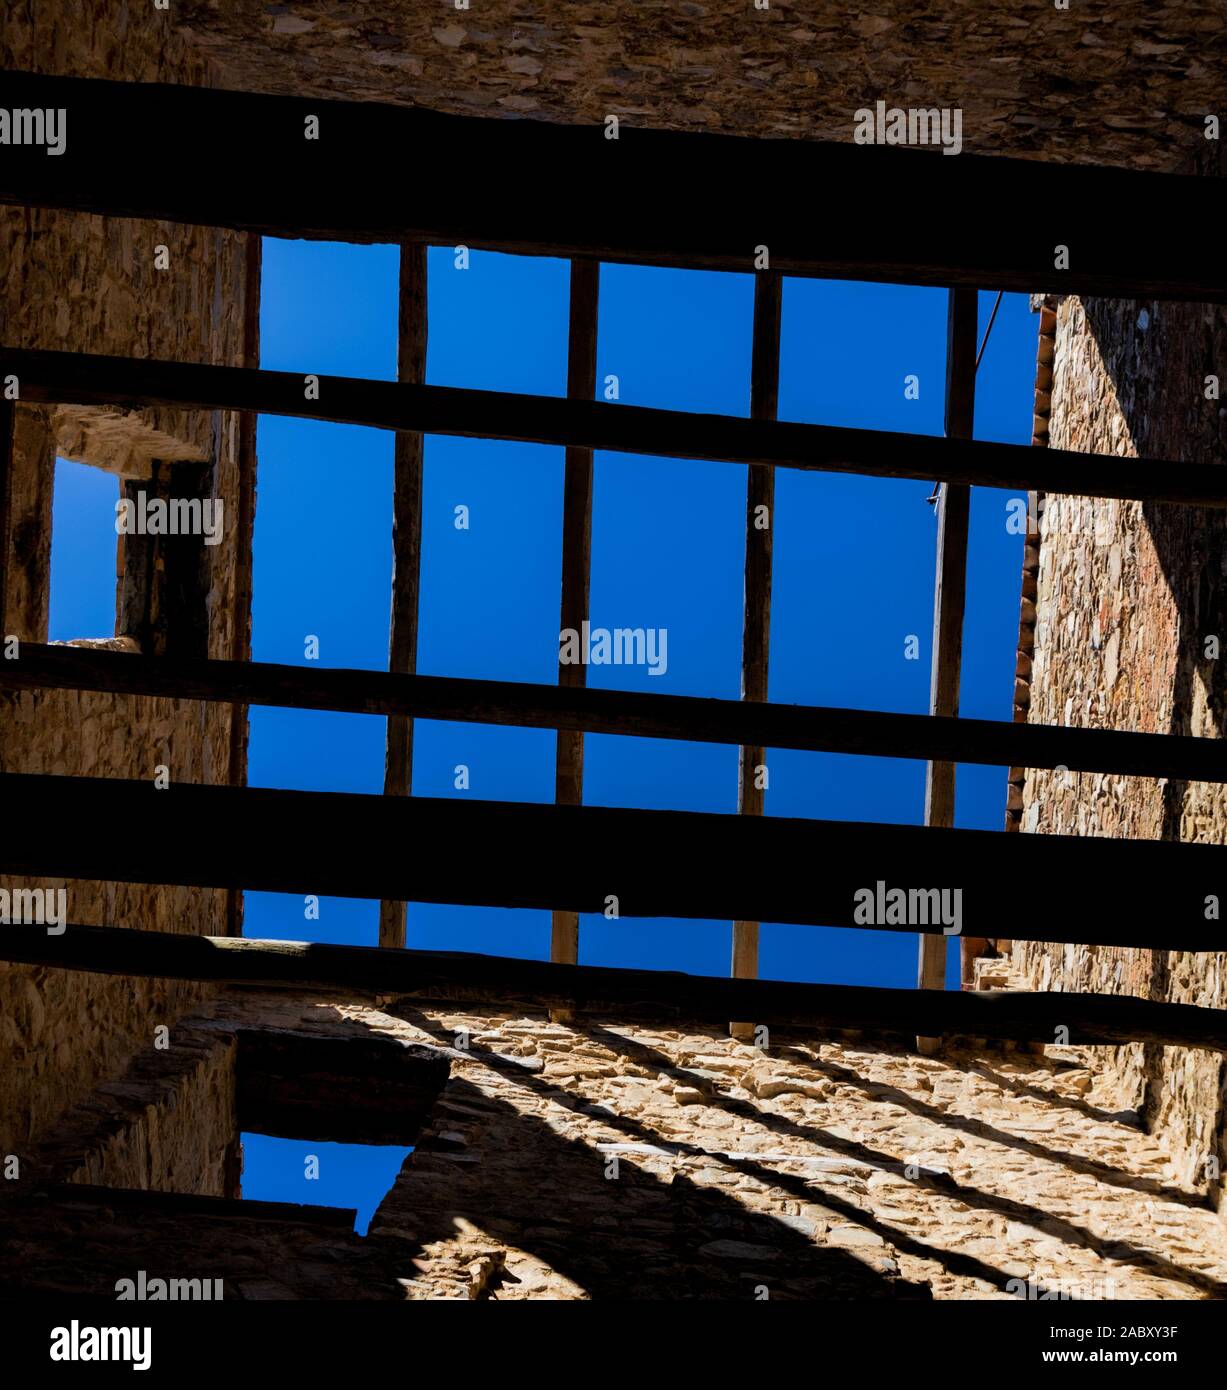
<point x="813" y="728"/>
<point x="756" y="610"/>
<point x="953" y="515"/>
<point x="690" y="199"/>
<point x="576" y="563"/>
<point x="240" y="638"/>
<point x="8" y="420"/>
<point x="406" y="550"/>
<point x="653" y="994"/>
<point x="86" y="379"/>
<point x="656" y="863"/>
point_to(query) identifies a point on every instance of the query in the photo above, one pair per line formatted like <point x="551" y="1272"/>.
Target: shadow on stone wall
<point x="1158" y="358"/>
<point x="641" y="1235"/>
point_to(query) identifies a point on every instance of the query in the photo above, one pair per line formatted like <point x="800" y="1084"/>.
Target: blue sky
<point x="854" y="562"/>
<point x="854" y="567"/>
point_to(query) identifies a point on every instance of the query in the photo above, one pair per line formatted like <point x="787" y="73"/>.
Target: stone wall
<point x="734" y="1169"/>
<point x="80" y="1242"/>
<point x="86" y="283"/>
<point x="166" y="1125"/>
<point x="609" y="1160"/>
<point x="1128" y="596"/>
<point x="1024" y="81"/>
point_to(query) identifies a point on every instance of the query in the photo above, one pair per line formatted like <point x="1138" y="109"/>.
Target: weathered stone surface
<point x="1150" y="72"/>
<point x="89" y="284"/>
<point x="826" y="1169"/>
<point x="1130" y="599"/>
<point x="900" y="1176"/>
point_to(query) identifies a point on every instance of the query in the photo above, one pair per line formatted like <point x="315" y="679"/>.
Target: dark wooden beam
<point x="602" y="990"/>
<point x="240" y="637"/>
<point x="576" y="562"/>
<point x="8" y="421"/>
<point x="655" y="863"/>
<point x="85" y="379"/>
<point x="242" y="160"/>
<point x="990" y="742"/>
<point x="165" y="580"/>
<point x="406" y="549"/>
<point x="756" y="604"/>
<point x="950" y="593"/>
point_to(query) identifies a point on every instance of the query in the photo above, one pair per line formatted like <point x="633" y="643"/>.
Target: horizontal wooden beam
<point x="989" y="742"/>
<point x="295" y="167"/>
<point x="1105" y="892"/>
<point x="86" y="379"/>
<point x="658" y="994"/>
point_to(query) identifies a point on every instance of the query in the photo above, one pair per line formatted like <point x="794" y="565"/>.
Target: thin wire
<point x="937" y="487"/>
<point x="989" y="329"/>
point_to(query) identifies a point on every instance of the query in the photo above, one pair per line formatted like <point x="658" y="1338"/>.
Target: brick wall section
<point x="1127" y="595"/>
<point x="88" y="284"/>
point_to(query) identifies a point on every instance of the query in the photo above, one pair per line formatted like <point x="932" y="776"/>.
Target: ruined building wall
<point x="1024" y="81"/>
<point x="608" y="1159"/>
<point x="1128" y="596"/>
<point x="84" y="283"/>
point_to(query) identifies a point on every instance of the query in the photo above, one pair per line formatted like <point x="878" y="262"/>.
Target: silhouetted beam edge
<point x="994" y="743"/>
<point x="632" y="863"/>
<point x="242" y="160"/>
<point x="47" y="377"/>
<point x="653" y="994"/>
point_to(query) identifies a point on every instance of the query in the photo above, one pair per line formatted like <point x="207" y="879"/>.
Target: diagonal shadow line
<point x="668" y="1263"/>
<point x="1067" y="1231"/>
<point x="1088" y="1167"/>
<point x="1076" y="1103"/>
<point x="1188" y="543"/>
<point x="967" y="1266"/>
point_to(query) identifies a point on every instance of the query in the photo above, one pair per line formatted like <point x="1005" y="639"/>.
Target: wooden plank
<point x="136" y="576"/>
<point x="657" y="863"/>
<point x="85" y="379"/>
<point x="655" y="994"/>
<point x="949" y="600"/>
<point x="756" y="612"/>
<point x="988" y="742"/>
<point x="165" y="579"/>
<point x="240" y="637"/>
<point x="242" y="160"/>
<point x="576" y="562"/>
<point x="412" y="320"/>
<point x="8" y="420"/>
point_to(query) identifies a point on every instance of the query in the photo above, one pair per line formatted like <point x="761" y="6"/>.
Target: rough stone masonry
<point x="822" y="1168"/>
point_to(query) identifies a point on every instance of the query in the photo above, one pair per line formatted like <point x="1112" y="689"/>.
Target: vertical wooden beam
<point x="135" y="613"/>
<point x="953" y="509"/>
<point x="8" y="424"/>
<point x="406" y="548"/>
<point x="240" y="635"/>
<point x="756" y="620"/>
<point x="184" y="576"/>
<point x="576" y="562"/>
